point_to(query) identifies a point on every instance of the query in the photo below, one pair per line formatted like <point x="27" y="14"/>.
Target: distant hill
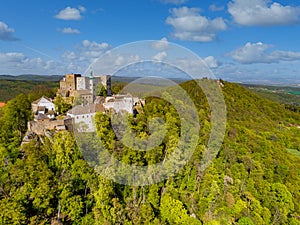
<point x="130" y="79"/>
<point x="11" y="86"/>
<point x="31" y="77"/>
<point x="282" y="94"/>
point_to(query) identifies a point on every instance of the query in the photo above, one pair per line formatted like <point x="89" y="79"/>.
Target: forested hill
<point x="11" y="86"/>
<point x="255" y="178"/>
<point x="32" y="77"/>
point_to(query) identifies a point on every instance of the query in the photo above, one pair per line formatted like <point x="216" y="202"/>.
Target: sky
<point x="254" y="41"/>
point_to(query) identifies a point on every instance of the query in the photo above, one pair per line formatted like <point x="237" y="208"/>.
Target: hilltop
<point x="254" y="179"/>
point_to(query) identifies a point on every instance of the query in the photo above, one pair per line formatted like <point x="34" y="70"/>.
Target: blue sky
<point x="240" y="40"/>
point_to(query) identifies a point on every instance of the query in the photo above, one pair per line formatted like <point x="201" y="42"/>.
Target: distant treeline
<point x="9" y="89"/>
<point x="29" y="77"/>
<point x="283" y="95"/>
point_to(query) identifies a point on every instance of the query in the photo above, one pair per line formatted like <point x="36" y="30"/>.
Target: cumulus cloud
<point x="18" y="63"/>
<point x="6" y="33"/>
<point x="11" y="57"/>
<point x="262" y="13"/>
<point x="88" y="51"/>
<point x="94" y="45"/>
<point x="161" y="45"/>
<point x="69" y="30"/>
<point x="114" y="62"/>
<point x="81" y="8"/>
<point x="211" y="62"/>
<point x="257" y="53"/>
<point x="189" y="25"/>
<point x="160" y="56"/>
<point x="76" y="61"/>
<point x="70" y="13"/>
<point x="216" y="8"/>
<point x="122" y="60"/>
<point x="176" y="2"/>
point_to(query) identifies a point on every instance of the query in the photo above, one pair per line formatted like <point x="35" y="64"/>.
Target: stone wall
<point x="41" y="126"/>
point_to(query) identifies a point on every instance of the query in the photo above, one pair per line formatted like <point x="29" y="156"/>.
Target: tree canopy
<point x="254" y="178"/>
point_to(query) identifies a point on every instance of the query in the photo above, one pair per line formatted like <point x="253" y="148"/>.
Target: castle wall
<point x="41" y="126"/>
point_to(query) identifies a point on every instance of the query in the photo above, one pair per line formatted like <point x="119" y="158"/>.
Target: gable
<point x="44" y="100"/>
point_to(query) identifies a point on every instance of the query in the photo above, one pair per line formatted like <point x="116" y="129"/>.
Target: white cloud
<point x="160" y="56"/>
<point x="262" y="13"/>
<point x="75" y="61"/>
<point x="87" y="52"/>
<point x="69" y="30"/>
<point x="193" y="67"/>
<point x="11" y="57"/>
<point x="81" y="9"/>
<point x="6" y="33"/>
<point x="122" y="60"/>
<point x="113" y="62"/>
<point x="70" y="13"/>
<point x="257" y="53"/>
<point x="211" y="62"/>
<point x="274" y="74"/>
<point x="176" y="2"/>
<point x="92" y="45"/>
<point x="16" y="63"/>
<point x="251" y="53"/>
<point x="216" y="8"/>
<point x="161" y="45"/>
<point x="189" y="25"/>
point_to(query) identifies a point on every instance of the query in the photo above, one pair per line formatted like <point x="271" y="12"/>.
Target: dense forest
<point x="254" y="179"/>
<point x="11" y="86"/>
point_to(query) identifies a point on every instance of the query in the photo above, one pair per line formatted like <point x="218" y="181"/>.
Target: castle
<point x="73" y="84"/>
<point x="92" y="94"/>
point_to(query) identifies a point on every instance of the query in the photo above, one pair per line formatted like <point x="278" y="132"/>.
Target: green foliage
<point x="13" y="122"/>
<point x="101" y="90"/>
<point x="294" y="152"/>
<point x="253" y="180"/>
<point x="173" y="211"/>
<point x="10" y="87"/>
<point x="245" y="221"/>
<point x="62" y="105"/>
<point x="117" y="87"/>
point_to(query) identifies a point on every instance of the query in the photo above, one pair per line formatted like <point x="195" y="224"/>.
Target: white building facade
<point x="83" y="117"/>
<point x="120" y="103"/>
<point x="92" y="82"/>
<point x="82" y="83"/>
<point x="43" y="102"/>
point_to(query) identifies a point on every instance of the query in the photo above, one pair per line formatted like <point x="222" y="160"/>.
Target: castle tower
<point x="68" y="85"/>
